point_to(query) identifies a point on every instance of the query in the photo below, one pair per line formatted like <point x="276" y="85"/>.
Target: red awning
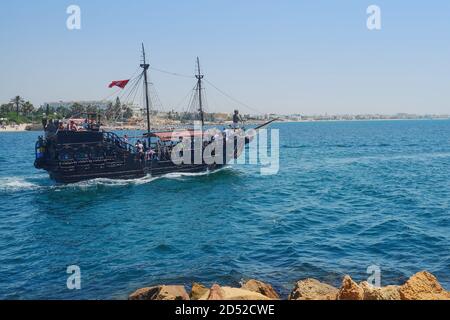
<point x="176" y="135"/>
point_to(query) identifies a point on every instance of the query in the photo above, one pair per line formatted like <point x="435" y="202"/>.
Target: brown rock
<point x="216" y="293"/>
<point x="160" y="293"/>
<point x="423" y="286"/>
<point x="383" y="293"/>
<point x="227" y="293"/>
<point x="350" y="290"/>
<point x="260" y="287"/>
<point x="199" y="292"/>
<point x="311" y="289"/>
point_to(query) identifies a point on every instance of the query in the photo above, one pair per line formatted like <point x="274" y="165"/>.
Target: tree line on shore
<point x="19" y="110"/>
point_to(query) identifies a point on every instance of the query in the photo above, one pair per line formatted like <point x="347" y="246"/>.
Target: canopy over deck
<point x="175" y="135"/>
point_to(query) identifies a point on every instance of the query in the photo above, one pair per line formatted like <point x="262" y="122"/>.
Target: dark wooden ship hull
<point x="71" y="157"/>
<point x="127" y="171"/>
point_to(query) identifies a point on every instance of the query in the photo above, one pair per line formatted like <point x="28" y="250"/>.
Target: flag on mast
<point x="118" y="83"/>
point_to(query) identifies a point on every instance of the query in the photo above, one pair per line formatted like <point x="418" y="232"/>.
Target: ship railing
<point x="118" y="141"/>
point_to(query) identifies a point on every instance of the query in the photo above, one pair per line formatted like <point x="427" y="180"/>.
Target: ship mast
<point x="145" y="66"/>
<point x="199" y="77"/>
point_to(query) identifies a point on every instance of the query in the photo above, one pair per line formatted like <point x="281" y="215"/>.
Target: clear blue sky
<point x="277" y="56"/>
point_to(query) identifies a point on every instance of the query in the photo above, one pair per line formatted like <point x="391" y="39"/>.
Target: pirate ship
<point x="71" y="154"/>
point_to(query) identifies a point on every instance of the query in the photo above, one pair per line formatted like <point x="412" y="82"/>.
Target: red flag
<point x="119" y="83"/>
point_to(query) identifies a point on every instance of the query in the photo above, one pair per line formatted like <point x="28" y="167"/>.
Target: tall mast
<point x="145" y="66"/>
<point x="199" y="77"/>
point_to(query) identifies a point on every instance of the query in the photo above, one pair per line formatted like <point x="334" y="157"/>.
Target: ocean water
<point x="348" y="195"/>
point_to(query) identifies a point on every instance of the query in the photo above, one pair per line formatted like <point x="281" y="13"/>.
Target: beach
<point x="14" y="128"/>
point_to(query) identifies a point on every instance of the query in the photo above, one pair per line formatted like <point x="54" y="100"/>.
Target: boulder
<point x="199" y="292"/>
<point x="423" y="286"/>
<point x="311" y="289"/>
<point x="160" y="293"/>
<point x="382" y="293"/>
<point x="216" y="293"/>
<point x="227" y="293"/>
<point x="260" y="287"/>
<point x="350" y="290"/>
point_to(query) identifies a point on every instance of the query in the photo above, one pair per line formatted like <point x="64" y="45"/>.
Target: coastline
<point x="15" y="128"/>
<point x="420" y="286"/>
<point x="37" y="127"/>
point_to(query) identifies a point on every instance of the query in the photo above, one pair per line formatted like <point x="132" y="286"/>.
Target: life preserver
<point x="40" y="149"/>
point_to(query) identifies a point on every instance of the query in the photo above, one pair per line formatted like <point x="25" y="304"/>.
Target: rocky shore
<point x="421" y="286"/>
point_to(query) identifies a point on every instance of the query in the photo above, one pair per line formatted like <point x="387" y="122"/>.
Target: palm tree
<point x="17" y="101"/>
<point x="27" y="108"/>
<point x="6" y="108"/>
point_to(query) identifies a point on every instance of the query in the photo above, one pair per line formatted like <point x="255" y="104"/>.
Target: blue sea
<point x="348" y="195"/>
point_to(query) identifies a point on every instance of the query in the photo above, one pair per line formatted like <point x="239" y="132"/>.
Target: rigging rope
<point x="231" y="98"/>
<point x="184" y="99"/>
<point x="133" y="88"/>
<point x="211" y="84"/>
<point x="172" y="73"/>
<point x="193" y="100"/>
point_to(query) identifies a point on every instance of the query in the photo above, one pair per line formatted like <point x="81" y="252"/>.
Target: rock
<point x="383" y="293"/>
<point x="199" y="292"/>
<point x="423" y="286"/>
<point x="311" y="289"/>
<point x="350" y="290"/>
<point x="216" y="293"/>
<point x="261" y="287"/>
<point x="227" y="293"/>
<point x="160" y="293"/>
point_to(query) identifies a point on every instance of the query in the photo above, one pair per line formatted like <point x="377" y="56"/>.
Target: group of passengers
<point x="58" y="125"/>
<point x="86" y="125"/>
<point x="161" y="151"/>
<point x="143" y="152"/>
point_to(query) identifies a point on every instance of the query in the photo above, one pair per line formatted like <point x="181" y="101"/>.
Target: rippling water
<point x="348" y="195"/>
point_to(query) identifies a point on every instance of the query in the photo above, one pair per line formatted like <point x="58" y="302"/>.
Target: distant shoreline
<point x="15" y="128"/>
<point x="23" y="127"/>
<point x="360" y="120"/>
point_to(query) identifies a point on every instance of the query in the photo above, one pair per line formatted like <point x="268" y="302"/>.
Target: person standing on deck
<point x="236" y="119"/>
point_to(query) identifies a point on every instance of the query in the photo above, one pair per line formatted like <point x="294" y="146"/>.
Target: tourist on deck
<point x="72" y="126"/>
<point x="150" y="154"/>
<point x="236" y="119"/>
<point x="139" y="146"/>
<point x="86" y="125"/>
<point x="140" y="149"/>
